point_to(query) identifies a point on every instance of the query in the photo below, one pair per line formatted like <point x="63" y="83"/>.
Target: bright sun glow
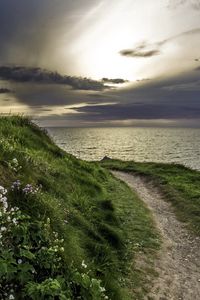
<point x="103" y="33"/>
<point x="106" y="29"/>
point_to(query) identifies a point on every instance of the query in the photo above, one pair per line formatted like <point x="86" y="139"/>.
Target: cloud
<point x="147" y="49"/>
<point x="155" y="99"/>
<point x="142" y="50"/>
<point x="164" y="99"/>
<point x="139" y="111"/>
<point x="27" y="74"/>
<point x="143" y="79"/>
<point x="173" y="4"/>
<point x="185" y="86"/>
<point x="5" y="91"/>
<point x="114" y="80"/>
<point x="32" y="32"/>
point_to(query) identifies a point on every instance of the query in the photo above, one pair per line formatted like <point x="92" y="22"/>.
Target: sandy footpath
<point x="178" y="263"/>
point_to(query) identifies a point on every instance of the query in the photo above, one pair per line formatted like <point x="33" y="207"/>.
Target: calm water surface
<point x="139" y="144"/>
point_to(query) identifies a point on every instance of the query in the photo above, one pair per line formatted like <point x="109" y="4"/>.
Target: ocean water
<point x="169" y="145"/>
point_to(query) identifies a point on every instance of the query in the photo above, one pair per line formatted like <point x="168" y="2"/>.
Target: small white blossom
<point x="19" y="261"/>
<point x="3" y="191"/>
<point x="14" y="220"/>
<point x="83" y="264"/>
<point x="3" y="229"/>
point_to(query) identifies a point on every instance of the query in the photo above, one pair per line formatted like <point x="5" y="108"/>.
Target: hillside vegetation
<point x="68" y="228"/>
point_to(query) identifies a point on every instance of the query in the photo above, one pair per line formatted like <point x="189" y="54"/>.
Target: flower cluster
<point x="14" y="165"/>
<point x="3" y="198"/>
<point x="8" y="218"/>
<point x="16" y="185"/>
<point x="32" y="257"/>
<point x="25" y="247"/>
<point x="27" y="189"/>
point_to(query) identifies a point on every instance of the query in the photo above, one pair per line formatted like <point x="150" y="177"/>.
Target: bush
<point x="31" y="261"/>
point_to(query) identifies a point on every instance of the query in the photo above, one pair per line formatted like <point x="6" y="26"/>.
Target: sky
<point x="101" y="62"/>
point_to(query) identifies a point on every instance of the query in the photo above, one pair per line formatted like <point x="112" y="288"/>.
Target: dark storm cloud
<point x="30" y="30"/>
<point x="4" y="91"/>
<point x="23" y="27"/>
<point x="53" y="95"/>
<point x="142" y="50"/>
<point x="138" y="111"/>
<point x="175" y="98"/>
<point x="114" y="80"/>
<point x="25" y="74"/>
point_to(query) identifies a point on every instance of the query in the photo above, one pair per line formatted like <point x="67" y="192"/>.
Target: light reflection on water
<point x="139" y="144"/>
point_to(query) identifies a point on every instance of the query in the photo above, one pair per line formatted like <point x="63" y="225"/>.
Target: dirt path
<point x="178" y="264"/>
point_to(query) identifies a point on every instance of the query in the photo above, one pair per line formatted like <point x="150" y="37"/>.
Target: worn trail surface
<point x="178" y="263"/>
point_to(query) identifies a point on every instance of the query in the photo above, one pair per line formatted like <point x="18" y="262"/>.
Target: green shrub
<point x="31" y="260"/>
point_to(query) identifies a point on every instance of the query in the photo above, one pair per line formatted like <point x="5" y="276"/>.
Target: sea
<point x="166" y="145"/>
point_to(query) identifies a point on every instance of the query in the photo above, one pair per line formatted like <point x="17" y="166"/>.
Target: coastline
<point x="99" y="224"/>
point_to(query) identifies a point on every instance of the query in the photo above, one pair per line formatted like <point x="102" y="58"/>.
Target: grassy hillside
<point x="68" y="228"/>
<point x="179" y="184"/>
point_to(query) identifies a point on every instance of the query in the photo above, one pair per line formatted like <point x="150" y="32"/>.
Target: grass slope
<point x="102" y="222"/>
<point x="179" y="184"/>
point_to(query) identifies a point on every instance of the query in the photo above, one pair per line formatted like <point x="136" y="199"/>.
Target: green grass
<point x="100" y="219"/>
<point x="179" y="185"/>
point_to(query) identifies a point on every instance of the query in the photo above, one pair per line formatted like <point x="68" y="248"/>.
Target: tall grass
<point x="98" y="217"/>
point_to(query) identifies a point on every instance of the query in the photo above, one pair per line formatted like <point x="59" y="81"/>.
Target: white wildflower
<point x="3" y="191"/>
<point x="19" y="261"/>
<point x="83" y="264"/>
<point x="15" y="161"/>
<point x="3" y="229"/>
<point x="14" y="220"/>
